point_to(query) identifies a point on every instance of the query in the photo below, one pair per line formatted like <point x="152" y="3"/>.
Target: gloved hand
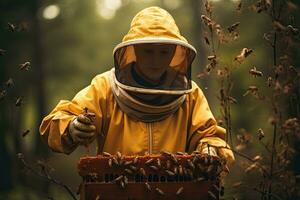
<point x="81" y="130"/>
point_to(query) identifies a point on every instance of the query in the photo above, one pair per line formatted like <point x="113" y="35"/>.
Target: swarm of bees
<point x="194" y="167"/>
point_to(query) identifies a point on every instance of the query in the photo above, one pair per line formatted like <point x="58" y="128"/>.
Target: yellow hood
<point x="155" y="25"/>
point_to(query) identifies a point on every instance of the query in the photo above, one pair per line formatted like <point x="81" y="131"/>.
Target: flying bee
<point x="25" y="66"/>
<point x="233" y="27"/>
<point x="212" y="195"/>
<point x="207" y="21"/>
<point x="260" y="134"/>
<point x="2" y="52"/>
<point x="9" y="82"/>
<point x="251" y="89"/>
<point x="179" y="191"/>
<point x="19" y="101"/>
<point x="159" y="191"/>
<point x="148" y="187"/>
<point x="25" y="133"/>
<point x="293" y="30"/>
<point x="232" y="100"/>
<point x="11" y="27"/>
<point x="206" y="40"/>
<point x="243" y="54"/>
<point x="2" y="94"/>
<point x="239" y="6"/>
<point x="255" y="72"/>
<point x="213" y="57"/>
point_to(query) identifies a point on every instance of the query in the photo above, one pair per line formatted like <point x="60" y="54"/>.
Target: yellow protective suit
<point x="191" y="126"/>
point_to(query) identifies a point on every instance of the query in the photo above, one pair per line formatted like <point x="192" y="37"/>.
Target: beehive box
<point x="161" y="176"/>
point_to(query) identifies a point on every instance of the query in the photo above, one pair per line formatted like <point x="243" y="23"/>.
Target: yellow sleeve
<point x="53" y="128"/>
<point x="204" y="128"/>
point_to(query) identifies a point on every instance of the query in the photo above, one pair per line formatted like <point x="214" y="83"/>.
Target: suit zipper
<point x="150" y="137"/>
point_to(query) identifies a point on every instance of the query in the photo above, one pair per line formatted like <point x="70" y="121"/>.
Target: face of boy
<point x="153" y="59"/>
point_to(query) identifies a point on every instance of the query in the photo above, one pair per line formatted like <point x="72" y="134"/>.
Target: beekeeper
<point x="146" y="103"/>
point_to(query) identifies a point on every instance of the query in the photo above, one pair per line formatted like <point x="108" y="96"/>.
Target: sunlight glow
<point x="172" y="4"/>
<point x="51" y="12"/>
<point x="107" y="8"/>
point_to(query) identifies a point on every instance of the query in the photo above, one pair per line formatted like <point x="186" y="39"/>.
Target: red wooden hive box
<point x="159" y="176"/>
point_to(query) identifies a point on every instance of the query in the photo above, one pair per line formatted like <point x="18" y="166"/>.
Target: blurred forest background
<point x="51" y="49"/>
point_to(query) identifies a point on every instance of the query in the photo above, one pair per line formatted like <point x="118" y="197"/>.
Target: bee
<point x="119" y="155"/>
<point x="148" y="187"/>
<point x="261" y="134"/>
<point x="128" y="162"/>
<point x="122" y="184"/>
<point x="292" y="30"/>
<point x="9" y="82"/>
<point x="154" y="168"/>
<point x="255" y="72"/>
<point x="128" y="171"/>
<point x="133" y="168"/>
<point x="179" y="191"/>
<point x="2" y="52"/>
<point x="237" y="184"/>
<point x="233" y="27"/>
<point x="168" y="164"/>
<point x="212" y="195"/>
<point x="174" y="159"/>
<point x="232" y="100"/>
<point x="110" y="163"/>
<point x="180" y="170"/>
<point x="135" y="160"/>
<point x="11" y="27"/>
<point x="170" y="173"/>
<point x="251" y="89"/>
<point x="190" y="164"/>
<point x="180" y="153"/>
<point x="2" y="94"/>
<point x="125" y="180"/>
<point x="199" y="179"/>
<point x="19" y="101"/>
<point x="239" y="6"/>
<point x="159" y="191"/>
<point x="25" y="133"/>
<point x="206" y="40"/>
<point x="148" y="162"/>
<point x="25" y="66"/>
<point x="270" y="81"/>
<point x="166" y="153"/>
<point x="158" y="162"/>
<point x="106" y="154"/>
<point x="213" y="57"/>
<point x="142" y="171"/>
<point x="97" y="197"/>
<point x="115" y="161"/>
<point x="243" y="54"/>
